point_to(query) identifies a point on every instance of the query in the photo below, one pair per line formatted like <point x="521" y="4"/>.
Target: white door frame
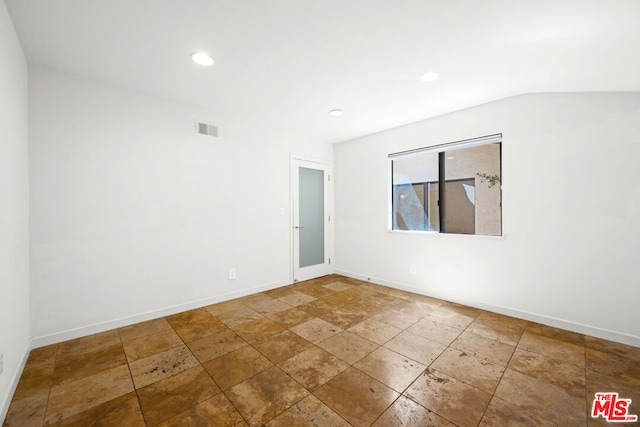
<point x="297" y="274"/>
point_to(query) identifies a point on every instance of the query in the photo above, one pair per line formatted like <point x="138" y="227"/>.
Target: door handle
<point x="297" y="227"/>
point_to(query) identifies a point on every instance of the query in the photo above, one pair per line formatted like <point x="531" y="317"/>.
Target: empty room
<point x="304" y="213"/>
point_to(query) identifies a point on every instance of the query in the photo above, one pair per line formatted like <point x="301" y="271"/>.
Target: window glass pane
<point x="408" y="200"/>
<point x="413" y="180"/>
<point x="460" y="210"/>
<point x="472" y="199"/>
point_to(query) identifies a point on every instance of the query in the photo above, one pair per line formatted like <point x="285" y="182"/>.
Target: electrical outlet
<point x="232" y="273"/>
<point x="413" y="269"/>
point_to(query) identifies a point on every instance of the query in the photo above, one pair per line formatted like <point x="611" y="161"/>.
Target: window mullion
<point x="441" y="189"/>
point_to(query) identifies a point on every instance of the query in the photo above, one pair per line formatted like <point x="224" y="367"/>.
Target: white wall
<point x="135" y="216"/>
<point x="571" y="214"/>
<point x="14" y="209"/>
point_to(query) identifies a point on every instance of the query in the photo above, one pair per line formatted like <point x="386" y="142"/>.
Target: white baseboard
<point x="565" y="324"/>
<point x="4" y="408"/>
<point x="150" y="315"/>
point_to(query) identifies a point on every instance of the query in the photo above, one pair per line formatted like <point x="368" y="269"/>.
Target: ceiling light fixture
<point x="335" y="113"/>
<point x="429" y="76"/>
<point x="202" y="59"/>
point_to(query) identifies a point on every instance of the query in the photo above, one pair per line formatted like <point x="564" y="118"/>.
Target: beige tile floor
<point x="328" y="352"/>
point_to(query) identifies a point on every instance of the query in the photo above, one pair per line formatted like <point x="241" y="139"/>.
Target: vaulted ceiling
<point x="281" y="65"/>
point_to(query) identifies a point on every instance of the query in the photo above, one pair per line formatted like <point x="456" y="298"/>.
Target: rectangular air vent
<point x="206" y="129"/>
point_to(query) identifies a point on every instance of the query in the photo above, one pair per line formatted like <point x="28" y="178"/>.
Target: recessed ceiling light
<point x="337" y="112"/>
<point x="202" y="59"/>
<point x="450" y="158"/>
<point x="429" y="76"/>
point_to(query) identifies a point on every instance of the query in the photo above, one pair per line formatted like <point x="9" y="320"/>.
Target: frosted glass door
<point x="310" y="199"/>
<point x="311" y="205"/>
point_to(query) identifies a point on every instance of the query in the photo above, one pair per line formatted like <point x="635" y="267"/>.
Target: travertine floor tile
<point x="390" y="368"/>
<point x="613" y="365"/>
<point x="28" y="411"/>
<point x="309" y="412"/>
<point x="342" y="317"/>
<point x="269" y="306"/>
<point x="176" y="394"/>
<point x="198" y="329"/>
<point x="313" y="367"/>
<point x="190" y="316"/>
<point x="121" y="411"/>
<point x="484" y="348"/>
<point x="429" y="302"/>
<point x="281" y="292"/>
<point x="348" y="347"/>
<point x="87" y="344"/>
<point x="499" y="328"/>
<point x="553" y="348"/>
<point x="257" y="330"/>
<point x="415" y="308"/>
<point x="356" y="397"/>
<point x="375" y="331"/>
<point x="469" y="369"/>
<point x="254" y="299"/>
<point x="236" y="366"/>
<point x="297" y="298"/>
<point x="562" y="374"/>
<point x="73" y="397"/>
<point x="418" y="348"/>
<point x="398" y="293"/>
<point x="314" y="290"/>
<point x="433" y="329"/>
<point x="283" y="345"/>
<point x="541" y="398"/>
<point x="556" y="334"/>
<point x="43" y="355"/>
<point x="216" y="345"/>
<point x="265" y="396"/>
<point x="337" y="286"/>
<point x="161" y="365"/>
<point x="239" y="316"/>
<point x="217" y="411"/>
<point x="406" y="412"/>
<point x="501" y="413"/>
<point x="38" y="372"/>
<point x="363" y="307"/>
<point x="147" y="345"/>
<point x="340" y="298"/>
<point x="611" y="347"/>
<point x="150" y="327"/>
<point x="223" y="307"/>
<point x="383" y="300"/>
<point x="291" y="317"/>
<point x="454" y="400"/>
<point x="464" y="310"/>
<point x="316" y="330"/>
<point x="398" y="318"/>
<point x="318" y="307"/>
<point x="75" y="366"/>
<point x="445" y="315"/>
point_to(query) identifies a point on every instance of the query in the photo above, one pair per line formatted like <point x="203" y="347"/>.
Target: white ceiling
<point x="281" y="65"/>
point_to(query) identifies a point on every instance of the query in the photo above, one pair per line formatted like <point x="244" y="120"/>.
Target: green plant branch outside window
<point x="491" y="180"/>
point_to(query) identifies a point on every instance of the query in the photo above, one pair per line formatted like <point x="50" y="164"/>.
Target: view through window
<point x="449" y="188"/>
